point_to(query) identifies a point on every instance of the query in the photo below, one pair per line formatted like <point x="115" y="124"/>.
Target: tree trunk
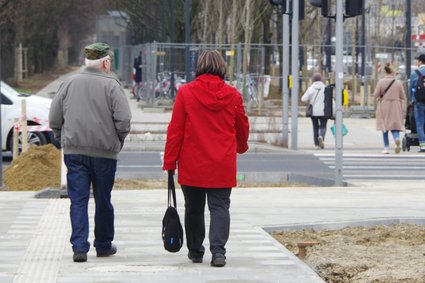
<point x="205" y="23"/>
<point x="220" y="22"/>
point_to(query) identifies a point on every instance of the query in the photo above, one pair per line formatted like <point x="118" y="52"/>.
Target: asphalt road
<point x="148" y="164"/>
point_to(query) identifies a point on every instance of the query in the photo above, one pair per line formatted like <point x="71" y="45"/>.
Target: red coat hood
<point x="212" y="92"/>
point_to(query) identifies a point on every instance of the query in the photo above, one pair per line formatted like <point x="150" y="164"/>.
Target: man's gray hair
<point x="97" y="62"/>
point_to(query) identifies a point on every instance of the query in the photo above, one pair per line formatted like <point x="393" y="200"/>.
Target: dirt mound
<point x="378" y="254"/>
<point x="35" y="169"/>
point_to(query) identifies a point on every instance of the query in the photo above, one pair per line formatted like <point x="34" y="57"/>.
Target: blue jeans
<point x="100" y="172"/>
<point x="420" y="121"/>
<point x="396" y="136"/>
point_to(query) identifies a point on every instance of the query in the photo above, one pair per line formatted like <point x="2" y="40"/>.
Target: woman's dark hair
<point x="211" y="62"/>
<point x="388" y="68"/>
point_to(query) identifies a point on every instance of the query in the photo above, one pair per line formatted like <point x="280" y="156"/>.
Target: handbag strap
<point x="317" y="93"/>
<point x="171" y="189"/>
<point x="388" y="87"/>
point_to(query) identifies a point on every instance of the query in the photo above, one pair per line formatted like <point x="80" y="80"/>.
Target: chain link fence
<point x="259" y="79"/>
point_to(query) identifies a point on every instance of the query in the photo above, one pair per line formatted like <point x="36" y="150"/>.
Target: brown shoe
<point x="397" y="146"/>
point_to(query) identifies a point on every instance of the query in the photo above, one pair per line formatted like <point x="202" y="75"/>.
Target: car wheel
<point x="34" y="138"/>
<point x="404" y="144"/>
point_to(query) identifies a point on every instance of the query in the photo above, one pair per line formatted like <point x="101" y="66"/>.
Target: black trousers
<point x="194" y="218"/>
<point x="319" y="128"/>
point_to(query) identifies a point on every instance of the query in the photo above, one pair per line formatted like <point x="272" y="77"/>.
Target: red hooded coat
<point x="208" y="127"/>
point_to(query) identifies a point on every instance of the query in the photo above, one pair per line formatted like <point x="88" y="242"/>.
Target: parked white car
<point x="38" y="107"/>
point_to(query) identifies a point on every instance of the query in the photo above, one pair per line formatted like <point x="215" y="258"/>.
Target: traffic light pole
<point x="295" y="75"/>
<point x="285" y="75"/>
<point x="339" y="77"/>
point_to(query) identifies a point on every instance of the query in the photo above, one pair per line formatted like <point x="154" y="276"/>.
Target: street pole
<point x="187" y="39"/>
<point x="408" y="38"/>
<point x="163" y="22"/>
<point x="339" y="77"/>
<point x="171" y="47"/>
<point x="295" y="74"/>
<point x="285" y="76"/>
<point x="328" y="45"/>
<point x="1" y="121"/>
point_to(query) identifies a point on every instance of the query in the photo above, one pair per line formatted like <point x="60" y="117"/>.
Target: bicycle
<point x="250" y="88"/>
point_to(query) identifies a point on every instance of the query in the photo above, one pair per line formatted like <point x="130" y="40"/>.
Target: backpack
<point x="420" y="87"/>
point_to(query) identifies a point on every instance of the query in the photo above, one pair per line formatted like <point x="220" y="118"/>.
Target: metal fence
<point x="261" y="83"/>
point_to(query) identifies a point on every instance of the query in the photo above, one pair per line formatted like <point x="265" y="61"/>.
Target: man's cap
<point x="420" y="57"/>
<point x="96" y="50"/>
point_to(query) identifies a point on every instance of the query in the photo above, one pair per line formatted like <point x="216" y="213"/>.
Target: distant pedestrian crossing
<point x="359" y="166"/>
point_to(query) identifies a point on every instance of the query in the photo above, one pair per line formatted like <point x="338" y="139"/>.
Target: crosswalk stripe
<point x="378" y="166"/>
<point x="360" y="161"/>
<point x="362" y="155"/>
<point x="367" y="167"/>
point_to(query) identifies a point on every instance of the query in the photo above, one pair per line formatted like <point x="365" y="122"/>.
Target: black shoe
<point x="111" y="251"/>
<point x="195" y="259"/>
<point x="79" y="257"/>
<point x="218" y="260"/>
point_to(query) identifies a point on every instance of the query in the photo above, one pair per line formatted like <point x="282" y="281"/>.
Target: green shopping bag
<point x="344" y="130"/>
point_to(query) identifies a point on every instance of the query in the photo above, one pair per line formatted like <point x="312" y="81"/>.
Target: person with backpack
<point x="417" y="98"/>
<point x="315" y="95"/>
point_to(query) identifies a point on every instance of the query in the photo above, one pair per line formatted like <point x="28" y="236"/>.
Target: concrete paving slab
<point x="45" y="255"/>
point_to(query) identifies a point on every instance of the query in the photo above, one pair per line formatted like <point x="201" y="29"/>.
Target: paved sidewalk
<point x="35" y="248"/>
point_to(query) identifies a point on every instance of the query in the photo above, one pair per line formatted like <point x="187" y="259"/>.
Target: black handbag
<point x="309" y="111"/>
<point x="172" y="230"/>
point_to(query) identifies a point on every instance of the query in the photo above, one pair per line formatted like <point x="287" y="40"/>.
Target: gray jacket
<point x="90" y="114"/>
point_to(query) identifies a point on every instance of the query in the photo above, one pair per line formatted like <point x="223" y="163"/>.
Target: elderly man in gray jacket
<point x="91" y="117"/>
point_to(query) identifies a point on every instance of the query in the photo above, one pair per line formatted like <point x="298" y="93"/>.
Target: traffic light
<point x="281" y="3"/>
<point x="323" y="4"/>
<point x="353" y="8"/>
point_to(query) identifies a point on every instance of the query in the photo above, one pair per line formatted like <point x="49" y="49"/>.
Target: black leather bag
<point x="172" y="230"/>
<point x="309" y="111"/>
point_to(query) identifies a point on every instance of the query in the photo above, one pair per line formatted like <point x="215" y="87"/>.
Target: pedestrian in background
<point x="91" y="117"/>
<point x="207" y="129"/>
<point x="389" y="95"/>
<point x="419" y="106"/>
<point x="315" y="95"/>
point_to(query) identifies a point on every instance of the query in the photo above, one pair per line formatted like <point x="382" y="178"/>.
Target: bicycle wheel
<point x="142" y="93"/>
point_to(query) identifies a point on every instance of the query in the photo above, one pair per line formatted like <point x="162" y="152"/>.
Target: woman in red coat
<point x="208" y="127"/>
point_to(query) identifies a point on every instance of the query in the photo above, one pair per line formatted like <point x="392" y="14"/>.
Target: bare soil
<point x="35" y="169"/>
<point x="379" y="254"/>
<point x="37" y="82"/>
